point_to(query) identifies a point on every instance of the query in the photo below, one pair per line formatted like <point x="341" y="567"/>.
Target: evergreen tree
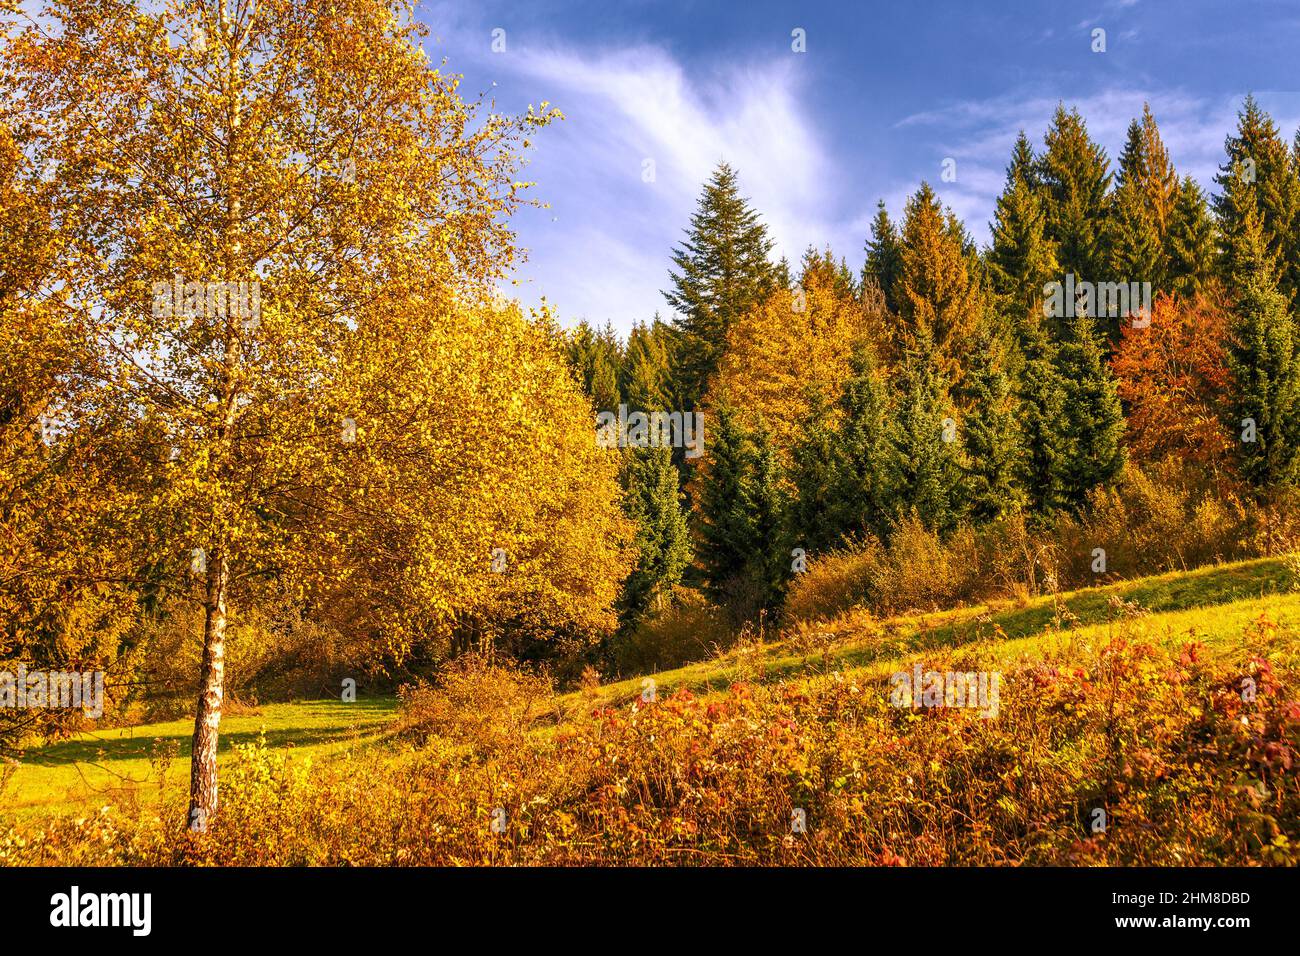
<point x="1021" y="260"/>
<point x="815" y="511"/>
<point x="1260" y="175"/>
<point x="884" y="263"/>
<point x="724" y="505"/>
<point x="769" y="560"/>
<point x="1093" y="420"/>
<point x="1135" y="249"/>
<point x="721" y="271"/>
<point x="1190" y="244"/>
<point x="596" y="357"/>
<point x="923" y="465"/>
<point x="990" y="430"/>
<point x="1041" y="395"/>
<point x="653" y="502"/>
<point x="861" y="493"/>
<point x="1262" y="359"/>
<point x="939" y="299"/>
<point x="1075" y="177"/>
<point x="647" y="367"/>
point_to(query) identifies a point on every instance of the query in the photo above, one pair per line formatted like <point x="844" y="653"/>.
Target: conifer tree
<point x="1142" y="210"/>
<point x="1190" y="244"/>
<point x="1260" y="175"/>
<point x="884" y="263"/>
<point x="923" y="464"/>
<point x="1093" y="420"/>
<point x="596" y="355"/>
<point x="653" y="502"/>
<point x="724" y="505"/>
<point x="720" y="272"/>
<point x="939" y="299"/>
<point x="1263" y="363"/>
<point x="646" y="368"/>
<point x="1075" y="177"/>
<point x="768" y="565"/>
<point x="990" y="431"/>
<point x="861" y="493"/>
<point x="1021" y="260"/>
<point x="1042" y="400"/>
<point x="815" y="510"/>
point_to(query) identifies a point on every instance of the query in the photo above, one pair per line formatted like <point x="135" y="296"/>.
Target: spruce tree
<point x="814" y="513"/>
<point x="939" y="301"/>
<point x="1190" y="244"/>
<point x="1075" y="177"/>
<point x="723" y="504"/>
<point x="653" y="502"/>
<point x="861" y="492"/>
<point x="769" y="560"/>
<point x="884" y="262"/>
<point x="647" y="367"/>
<point x="1021" y="260"/>
<point x="1093" y="420"/>
<point x="720" y="272"/>
<point x="1260" y="175"/>
<point x="990" y="431"/>
<point x="1041" y="394"/>
<point x="1262" y="359"/>
<point x="923" y="465"/>
<point x="596" y="357"/>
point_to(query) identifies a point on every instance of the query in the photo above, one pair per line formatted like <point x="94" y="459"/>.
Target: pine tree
<point x="1260" y="175"/>
<point x="1262" y="360"/>
<point x="939" y="300"/>
<point x="1075" y="177"/>
<point x="724" y="505"/>
<point x="925" y="474"/>
<point x="990" y="431"/>
<point x="1021" y="260"/>
<point x="596" y="355"/>
<point x="1142" y="206"/>
<point x="646" y="368"/>
<point x="768" y="566"/>
<point x="884" y="263"/>
<point x="1190" y="244"/>
<point x="861" y="492"/>
<point x="721" y="271"/>
<point x="653" y="502"/>
<point x="815" y="510"/>
<point x="1093" y="420"/>
<point x="1042" y="400"/>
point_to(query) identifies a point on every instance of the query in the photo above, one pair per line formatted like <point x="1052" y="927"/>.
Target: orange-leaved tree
<point x="277" y="224"/>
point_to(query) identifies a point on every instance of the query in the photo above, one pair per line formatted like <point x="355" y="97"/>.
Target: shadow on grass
<point x="1179" y="591"/>
<point x="303" y="725"/>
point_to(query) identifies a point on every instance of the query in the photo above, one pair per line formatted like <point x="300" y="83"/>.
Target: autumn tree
<point x="1172" y="377"/>
<point x="277" y="223"/>
<point x="791" y="353"/>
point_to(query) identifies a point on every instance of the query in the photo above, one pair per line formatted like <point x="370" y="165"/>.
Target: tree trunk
<point x="203" y="761"/>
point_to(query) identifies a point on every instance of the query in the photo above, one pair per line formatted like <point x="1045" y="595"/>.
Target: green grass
<point x="78" y="772"/>
<point x="1214" y="605"/>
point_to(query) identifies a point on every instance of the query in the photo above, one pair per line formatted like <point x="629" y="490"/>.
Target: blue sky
<point x="884" y="93"/>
